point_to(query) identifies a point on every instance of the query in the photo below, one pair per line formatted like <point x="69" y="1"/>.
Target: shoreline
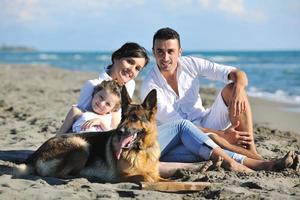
<point x="34" y="100"/>
<point x="289" y="103"/>
<point x="275" y="114"/>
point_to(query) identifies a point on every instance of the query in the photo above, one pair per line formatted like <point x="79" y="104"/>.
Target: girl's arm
<point x="73" y="114"/>
<point x="115" y="119"/>
<point x="105" y="126"/>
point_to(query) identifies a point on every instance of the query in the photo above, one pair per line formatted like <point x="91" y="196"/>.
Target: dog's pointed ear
<point x="125" y="98"/>
<point x="150" y="101"/>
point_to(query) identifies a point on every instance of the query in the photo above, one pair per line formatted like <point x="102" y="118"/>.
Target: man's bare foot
<point x="217" y="163"/>
<point x="205" y="167"/>
<point x="285" y="162"/>
<point x="296" y="163"/>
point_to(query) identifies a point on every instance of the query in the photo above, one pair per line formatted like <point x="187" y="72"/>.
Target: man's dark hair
<point x="166" y="34"/>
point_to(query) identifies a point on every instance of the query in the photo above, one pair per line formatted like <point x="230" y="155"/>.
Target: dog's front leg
<point x="139" y="178"/>
<point x="133" y="178"/>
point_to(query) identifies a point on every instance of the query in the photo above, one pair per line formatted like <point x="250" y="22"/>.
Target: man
<point x="176" y="79"/>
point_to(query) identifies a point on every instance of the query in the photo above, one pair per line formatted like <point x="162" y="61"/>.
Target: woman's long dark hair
<point x="130" y="49"/>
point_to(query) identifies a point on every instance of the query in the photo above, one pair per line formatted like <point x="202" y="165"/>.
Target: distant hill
<point x="15" y="48"/>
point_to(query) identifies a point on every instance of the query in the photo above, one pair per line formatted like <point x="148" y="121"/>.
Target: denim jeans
<point x="182" y="141"/>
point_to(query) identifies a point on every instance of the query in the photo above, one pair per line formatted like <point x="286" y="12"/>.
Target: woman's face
<point x="126" y="69"/>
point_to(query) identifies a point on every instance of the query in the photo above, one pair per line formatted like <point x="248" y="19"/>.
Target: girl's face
<point x="104" y="101"/>
<point x="126" y="69"/>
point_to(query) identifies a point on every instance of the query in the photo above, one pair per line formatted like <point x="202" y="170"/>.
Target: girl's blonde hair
<point x="113" y="87"/>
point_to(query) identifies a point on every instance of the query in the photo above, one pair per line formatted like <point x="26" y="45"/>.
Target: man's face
<point x="166" y="53"/>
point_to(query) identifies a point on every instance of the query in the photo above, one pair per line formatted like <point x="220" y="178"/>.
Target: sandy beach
<point x="34" y="100"/>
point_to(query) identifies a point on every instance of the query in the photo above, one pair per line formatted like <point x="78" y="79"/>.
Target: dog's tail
<point x="23" y="170"/>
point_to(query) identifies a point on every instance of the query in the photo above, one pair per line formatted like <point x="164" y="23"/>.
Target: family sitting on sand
<point x="187" y="132"/>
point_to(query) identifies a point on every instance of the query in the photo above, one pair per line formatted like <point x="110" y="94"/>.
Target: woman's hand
<point x="234" y="136"/>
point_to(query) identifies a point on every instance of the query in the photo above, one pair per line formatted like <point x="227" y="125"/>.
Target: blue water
<point x="274" y="75"/>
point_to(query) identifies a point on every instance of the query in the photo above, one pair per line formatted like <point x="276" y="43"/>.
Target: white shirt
<point x="85" y="98"/>
<point x="188" y="105"/>
<point x="76" y="127"/>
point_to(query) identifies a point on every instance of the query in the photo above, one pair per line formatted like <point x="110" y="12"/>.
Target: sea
<point x="272" y="75"/>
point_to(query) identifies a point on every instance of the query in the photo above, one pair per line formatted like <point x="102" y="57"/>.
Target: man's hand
<point x="239" y="99"/>
<point x="234" y="136"/>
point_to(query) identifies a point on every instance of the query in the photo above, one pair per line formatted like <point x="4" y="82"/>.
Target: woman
<point x="127" y="62"/>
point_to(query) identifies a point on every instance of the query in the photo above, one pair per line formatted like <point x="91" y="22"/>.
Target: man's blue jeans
<point x="182" y="141"/>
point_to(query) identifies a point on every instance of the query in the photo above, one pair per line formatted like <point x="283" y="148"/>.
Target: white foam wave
<point x="278" y="96"/>
<point x="224" y="58"/>
<point x="197" y="55"/>
<point x="103" y="58"/>
<point x="77" y="57"/>
<point x="45" y="56"/>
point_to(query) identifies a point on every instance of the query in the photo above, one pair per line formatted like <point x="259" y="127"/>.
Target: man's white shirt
<point x="188" y="104"/>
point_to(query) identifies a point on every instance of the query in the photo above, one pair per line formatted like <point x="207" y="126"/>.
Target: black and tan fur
<point x="96" y="154"/>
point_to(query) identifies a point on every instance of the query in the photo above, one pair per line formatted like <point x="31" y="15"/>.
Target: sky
<point x="104" y="25"/>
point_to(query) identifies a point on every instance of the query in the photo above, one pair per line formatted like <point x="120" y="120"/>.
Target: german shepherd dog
<point x="129" y="153"/>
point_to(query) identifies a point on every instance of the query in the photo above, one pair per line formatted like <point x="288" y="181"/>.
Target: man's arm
<point x="238" y="77"/>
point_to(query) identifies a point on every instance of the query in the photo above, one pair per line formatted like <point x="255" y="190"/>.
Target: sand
<point x="35" y="99"/>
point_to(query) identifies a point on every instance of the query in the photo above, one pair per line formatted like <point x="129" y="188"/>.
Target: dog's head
<point x="137" y="129"/>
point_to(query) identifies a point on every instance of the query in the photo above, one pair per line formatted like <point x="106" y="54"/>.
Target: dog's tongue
<point x="124" y="141"/>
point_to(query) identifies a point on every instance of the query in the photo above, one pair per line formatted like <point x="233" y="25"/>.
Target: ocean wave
<point x="277" y="96"/>
<point x="224" y="58"/>
<point x="196" y="55"/>
<point x="77" y="57"/>
<point x="45" y="56"/>
<point x="103" y="58"/>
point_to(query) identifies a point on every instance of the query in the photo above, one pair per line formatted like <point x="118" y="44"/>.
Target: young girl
<point x="106" y="98"/>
